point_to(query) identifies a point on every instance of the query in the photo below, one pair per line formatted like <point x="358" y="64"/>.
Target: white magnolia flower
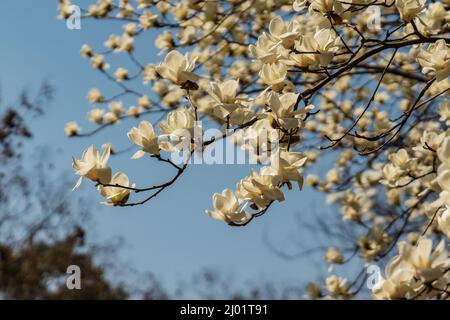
<point x="145" y="137"/>
<point x="397" y="282"/>
<point x="149" y="73"/>
<point x="177" y="68"/>
<point x="337" y="286"/>
<point x="227" y="207"/>
<point x="400" y="159"/>
<point x="444" y="112"/>
<point x="288" y="166"/>
<point x="111" y="117"/>
<point x="126" y="43"/>
<point x="178" y="120"/>
<point x="260" y="187"/>
<point x="130" y="29"/>
<point x="429" y="139"/>
<point x="325" y="44"/>
<point x="443" y="172"/>
<point x="259" y="140"/>
<point x="436" y="59"/>
<point x="273" y="73"/>
<point x="94" y="96"/>
<point x="144" y="102"/>
<point x="265" y="49"/>
<point x="435" y="15"/>
<point x="179" y="126"/>
<point x="283" y="33"/>
<point x="96" y="115"/>
<point x="326" y="6"/>
<point x="224" y="94"/>
<point x="134" y="111"/>
<point x="116" y="195"/>
<point x="413" y="266"/>
<point x="317" y="49"/>
<point x="282" y="107"/>
<point x="427" y="263"/>
<point x="299" y="5"/>
<point x="92" y="165"/>
<point x="113" y="42"/>
<point x="391" y="174"/>
<point x="86" y="51"/>
<point x="409" y="9"/>
<point x="121" y="74"/>
<point x="71" y="129"/>
<point x="443" y="152"/>
<point x="98" y="62"/>
<point x="116" y="107"/>
<point x="147" y="19"/>
<point x="65" y="9"/>
<point x="333" y="255"/>
<point x="444" y="222"/>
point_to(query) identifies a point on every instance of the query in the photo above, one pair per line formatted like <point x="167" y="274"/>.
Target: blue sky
<point x="170" y="236"/>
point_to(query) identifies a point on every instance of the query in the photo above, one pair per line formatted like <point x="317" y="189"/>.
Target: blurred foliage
<point x="40" y="233"/>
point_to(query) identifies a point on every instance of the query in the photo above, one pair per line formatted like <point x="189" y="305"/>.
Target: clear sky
<point x="170" y="236"/>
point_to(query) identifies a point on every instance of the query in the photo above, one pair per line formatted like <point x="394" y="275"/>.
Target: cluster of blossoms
<point x="366" y="81"/>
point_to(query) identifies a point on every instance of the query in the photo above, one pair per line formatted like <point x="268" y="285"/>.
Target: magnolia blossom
<point x="436" y="59"/>
<point x="227" y="207"/>
<point x="265" y="49"/>
<point x="96" y="115"/>
<point x="94" y="95"/>
<point x="444" y="221"/>
<point x="177" y="68"/>
<point x="98" y="62"/>
<point x="145" y="137"/>
<point x="428" y="264"/>
<point x="288" y="166"/>
<point x="444" y="112"/>
<point x="126" y="43"/>
<point x="259" y="140"/>
<point x="147" y="19"/>
<point x="391" y="174"/>
<point x="224" y="94"/>
<point x="113" y="42"/>
<point x="435" y="15"/>
<point x="144" y="102"/>
<point x="121" y="74"/>
<point x="326" y="6"/>
<point x="177" y="121"/>
<point x="179" y="125"/>
<point x="282" y="107"/>
<point x="337" y="286"/>
<point x="323" y="42"/>
<point x="273" y="73"/>
<point x="260" y="187"/>
<point x="116" y="107"/>
<point x="71" y="129"/>
<point x="282" y="32"/>
<point x="116" y="195"/>
<point x="333" y="255"/>
<point x="65" y="9"/>
<point x="86" y="51"/>
<point x="443" y="172"/>
<point x="92" y="165"/>
<point x="396" y="285"/>
<point x="431" y="139"/>
<point x="412" y="267"/>
<point x="409" y="9"/>
<point x="400" y="159"/>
